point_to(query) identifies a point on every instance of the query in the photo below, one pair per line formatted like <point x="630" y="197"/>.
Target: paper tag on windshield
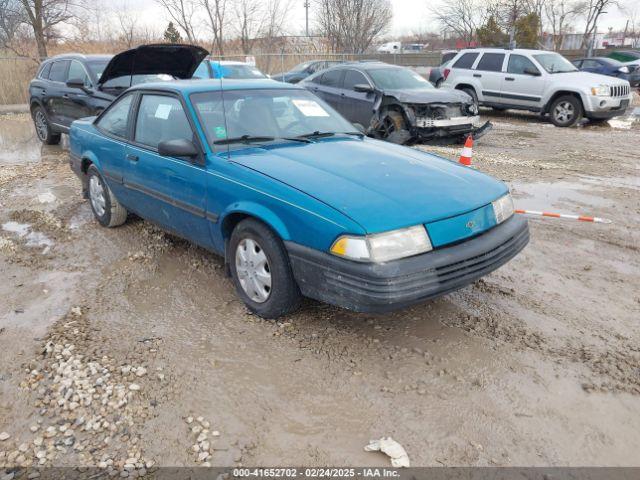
<point x="163" y="111"/>
<point x="309" y="108"/>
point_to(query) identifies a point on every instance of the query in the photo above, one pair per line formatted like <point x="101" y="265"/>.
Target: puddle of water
<point x="18" y="142"/>
<point x="561" y="197"/>
<point x="33" y="239"/>
<point x="46" y="197"/>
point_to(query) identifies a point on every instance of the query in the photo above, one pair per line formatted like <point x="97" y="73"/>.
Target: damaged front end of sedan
<point x="421" y="116"/>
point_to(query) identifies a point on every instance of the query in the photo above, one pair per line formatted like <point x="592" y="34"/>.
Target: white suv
<point x="539" y="81"/>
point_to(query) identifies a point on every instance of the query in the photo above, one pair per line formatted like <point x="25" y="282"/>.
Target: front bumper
<point x="606" y="107"/>
<point x="456" y="130"/>
<point x="367" y="287"/>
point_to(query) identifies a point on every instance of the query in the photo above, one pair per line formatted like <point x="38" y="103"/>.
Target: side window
<point x="44" y="72"/>
<point x="161" y="118"/>
<point x="466" y="60"/>
<point x="202" y="71"/>
<point x="352" y="78"/>
<point x="76" y="70"/>
<point x="590" y="64"/>
<point x="116" y="119"/>
<point x="519" y="63"/>
<point x="332" y="78"/>
<point x="491" y="62"/>
<point x="58" y="71"/>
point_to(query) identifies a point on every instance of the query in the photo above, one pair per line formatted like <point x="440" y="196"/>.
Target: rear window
<point x="491" y="62"/>
<point x="466" y="60"/>
<point x="58" y="71"/>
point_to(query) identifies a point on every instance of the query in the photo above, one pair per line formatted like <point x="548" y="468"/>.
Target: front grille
<point x="620" y="90"/>
<point x="438" y="112"/>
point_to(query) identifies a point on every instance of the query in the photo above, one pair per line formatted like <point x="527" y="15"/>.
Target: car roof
<point x="187" y="87"/>
<point x="81" y="56"/>
<point x="365" y="65"/>
<point x="521" y="51"/>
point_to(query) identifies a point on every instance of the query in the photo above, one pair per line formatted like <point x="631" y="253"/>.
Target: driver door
<point x="358" y="105"/>
<point x="520" y="88"/>
<point x="169" y="191"/>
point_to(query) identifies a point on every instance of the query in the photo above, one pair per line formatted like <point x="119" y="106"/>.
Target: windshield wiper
<point x="318" y="134"/>
<point x="257" y="139"/>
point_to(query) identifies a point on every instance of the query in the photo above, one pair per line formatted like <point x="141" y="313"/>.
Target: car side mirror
<point x="178" y="148"/>
<point x="532" y="71"/>
<point x="363" y="88"/>
<point x="77" y="83"/>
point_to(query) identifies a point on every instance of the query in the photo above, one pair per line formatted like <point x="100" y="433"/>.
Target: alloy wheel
<point x="41" y="125"/>
<point x="97" y="195"/>
<point x="564" y="112"/>
<point x="254" y="273"/>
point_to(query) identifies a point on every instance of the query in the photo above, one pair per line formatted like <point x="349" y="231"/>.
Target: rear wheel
<point x="439" y="82"/>
<point x="43" y="128"/>
<point x="565" y="111"/>
<point x="105" y="206"/>
<point x="261" y="271"/>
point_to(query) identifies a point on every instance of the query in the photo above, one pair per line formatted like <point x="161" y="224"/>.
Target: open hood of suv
<point x="179" y="61"/>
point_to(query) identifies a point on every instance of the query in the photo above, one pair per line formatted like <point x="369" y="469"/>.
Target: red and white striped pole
<point x="581" y="218"/>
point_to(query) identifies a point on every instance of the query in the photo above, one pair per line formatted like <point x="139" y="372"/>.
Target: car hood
<point x="180" y="61"/>
<point x="585" y="79"/>
<point x="379" y="185"/>
<point x="429" y="95"/>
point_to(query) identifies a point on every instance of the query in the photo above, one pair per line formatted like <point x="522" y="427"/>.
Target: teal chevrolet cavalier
<point x="293" y="196"/>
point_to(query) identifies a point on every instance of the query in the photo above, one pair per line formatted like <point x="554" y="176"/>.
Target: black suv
<point x="72" y="86"/>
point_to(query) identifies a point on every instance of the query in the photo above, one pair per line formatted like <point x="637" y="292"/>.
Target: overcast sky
<point x="408" y="16"/>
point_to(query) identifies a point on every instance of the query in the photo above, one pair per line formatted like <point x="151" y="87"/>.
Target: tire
<point x="261" y="271"/>
<point x="565" y="111"/>
<point x="105" y="206"/>
<point x="43" y="129"/>
<point x="392" y="128"/>
<point x="439" y="82"/>
<point x="498" y="109"/>
<point x="472" y="93"/>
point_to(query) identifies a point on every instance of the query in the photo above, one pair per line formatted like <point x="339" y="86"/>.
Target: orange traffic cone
<point x="467" y="152"/>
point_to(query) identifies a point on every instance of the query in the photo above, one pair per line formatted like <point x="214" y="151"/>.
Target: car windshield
<point x="235" y="71"/>
<point x="266" y="115"/>
<point x="97" y="67"/>
<point x="397" y="78"/>
<point x="555" y="63"/>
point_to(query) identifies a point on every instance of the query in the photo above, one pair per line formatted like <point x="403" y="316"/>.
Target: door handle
<point x="477" y="75"/>
<point x="509" y="79"/>
<point x="132" y="158"/>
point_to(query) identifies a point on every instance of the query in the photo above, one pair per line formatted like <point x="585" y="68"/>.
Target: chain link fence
<point x="16" y="72"/>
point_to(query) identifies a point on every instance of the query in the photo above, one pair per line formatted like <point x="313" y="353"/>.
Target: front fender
<point x="260" y="212"/>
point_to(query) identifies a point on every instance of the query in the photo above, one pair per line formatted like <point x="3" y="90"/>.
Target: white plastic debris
<point x="393" y="449"/>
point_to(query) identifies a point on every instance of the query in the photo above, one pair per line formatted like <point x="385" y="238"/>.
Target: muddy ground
<point x="111" y="339"/>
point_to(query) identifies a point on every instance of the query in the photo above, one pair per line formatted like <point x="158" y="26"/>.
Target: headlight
<point x="601" y="91"/>
<point x="383" y="247"/>
<point x="503" y="208"/>
<point x="623" y="69"/>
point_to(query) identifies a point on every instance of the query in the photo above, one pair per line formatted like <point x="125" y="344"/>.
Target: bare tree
<point x="247" y="23"/>
<point x="216" y="10"/>
<point x="11" y="19"/>
<point x="559" y="14"/>
<point x="463" y="17"/>
<point x="352" y="25"/>
<point x="43" y="16"/>
<point x="182" y="13"/>
<point x="593" y="9"/>
<point x="128" y="23"/>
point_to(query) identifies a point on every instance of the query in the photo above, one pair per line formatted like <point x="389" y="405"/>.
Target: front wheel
<point x="392" y="127"/>
<point x="260" y="270"/>
<point x="566" y="111"/>
<point x="105" y="206"/>
<point x="43" y="129"/>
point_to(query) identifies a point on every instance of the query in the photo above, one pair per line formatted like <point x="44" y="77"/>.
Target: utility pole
<point x="624" y="35"/>
<point x="306" y="7"/>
